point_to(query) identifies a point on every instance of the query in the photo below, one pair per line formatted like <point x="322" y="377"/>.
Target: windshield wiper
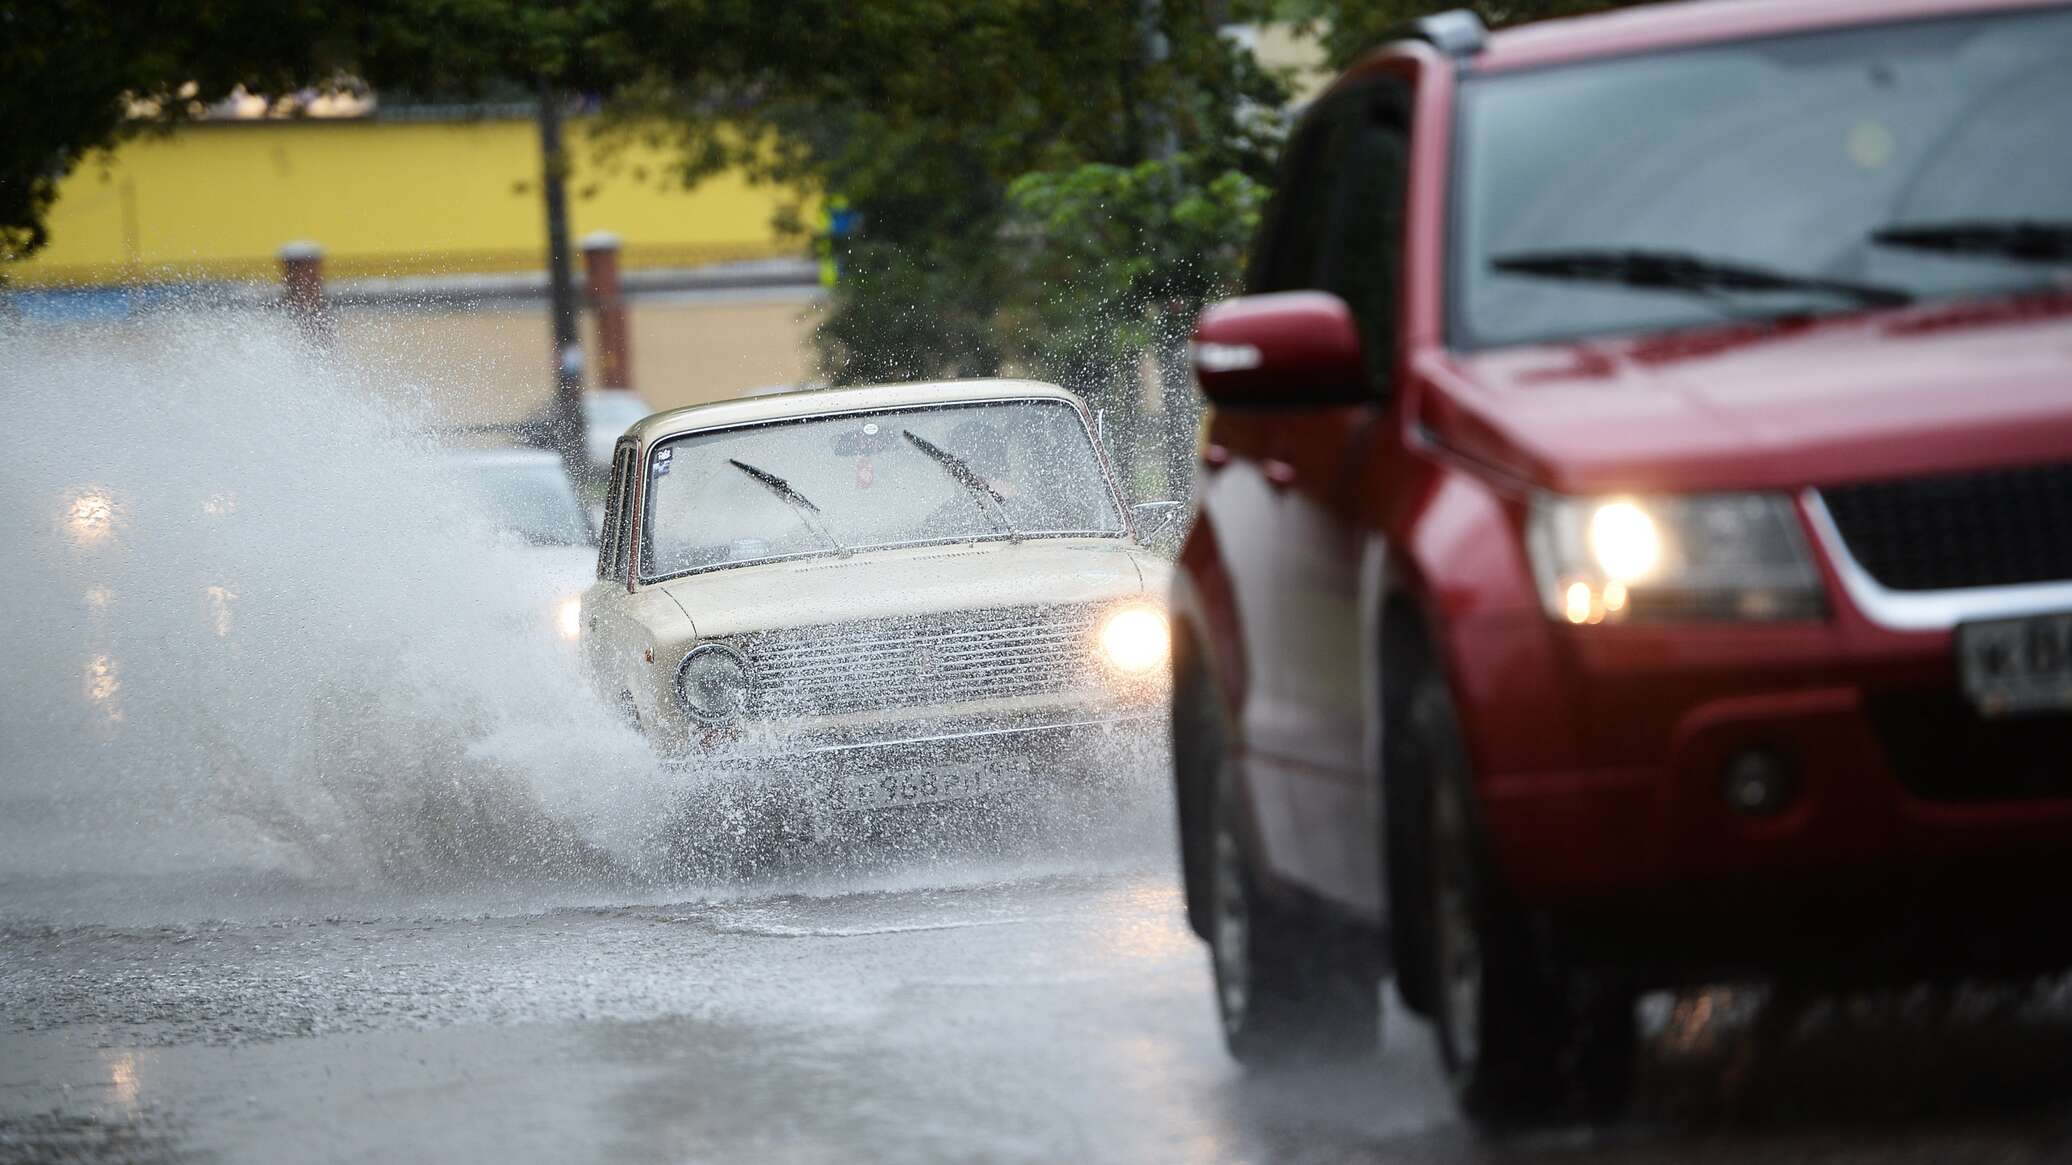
<point x="2023" y="240"/>
<point x="807" y="511"/>
<point x="1677" y="271"/>
<point x="961" y="472"/>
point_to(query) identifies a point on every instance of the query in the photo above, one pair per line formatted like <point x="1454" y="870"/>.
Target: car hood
<point x="914" y="581"/>
<point x="1860" y="397"/>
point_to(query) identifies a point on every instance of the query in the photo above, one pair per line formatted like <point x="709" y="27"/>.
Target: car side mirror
<point x="1284" y="348"/>
<point x="1159" y="524"/>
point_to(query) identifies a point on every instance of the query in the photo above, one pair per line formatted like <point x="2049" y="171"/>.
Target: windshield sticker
<point x="1870" y="145"/>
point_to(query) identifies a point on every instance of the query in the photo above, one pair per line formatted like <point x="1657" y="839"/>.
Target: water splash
<point x="265" y="660"/>
<point x="253" y="633"/>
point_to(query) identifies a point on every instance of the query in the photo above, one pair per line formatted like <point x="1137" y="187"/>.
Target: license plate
<point x="2011" y="667"/>
<point x="926" y="785"/>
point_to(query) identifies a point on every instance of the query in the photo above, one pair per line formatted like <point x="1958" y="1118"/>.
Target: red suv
<point x="1635" y="532"/>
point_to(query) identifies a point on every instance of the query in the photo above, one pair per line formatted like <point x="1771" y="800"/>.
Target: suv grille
<point x="1998" y="528"/>
<point x="920" y="661"/>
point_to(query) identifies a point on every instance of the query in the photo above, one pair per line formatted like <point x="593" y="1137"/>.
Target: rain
<point x="1024" y="582"/>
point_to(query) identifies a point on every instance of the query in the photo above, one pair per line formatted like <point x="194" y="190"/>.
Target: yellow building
<point x="218" y="199"/>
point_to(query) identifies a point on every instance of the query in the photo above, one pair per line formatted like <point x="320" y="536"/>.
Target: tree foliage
<point x="924" y="117"/>
<point x="1110" y="256"/>
<point x="72" y="72"/>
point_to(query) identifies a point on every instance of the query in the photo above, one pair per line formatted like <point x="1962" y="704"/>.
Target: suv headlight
<point x="713" y="684"/>
<point x="1666" y="558"/>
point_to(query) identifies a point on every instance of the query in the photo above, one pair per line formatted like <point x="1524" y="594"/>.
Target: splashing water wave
<point x="253" y="635"/>
<point x="265" y="659"/>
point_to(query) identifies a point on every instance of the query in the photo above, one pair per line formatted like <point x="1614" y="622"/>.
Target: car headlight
<point x="568" y="617"/>
<point x="713" y="684"/>
<point x="1136" y="640"/>
<point x="1691" y="556"/>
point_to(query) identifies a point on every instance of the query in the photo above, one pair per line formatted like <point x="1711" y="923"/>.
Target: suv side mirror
<point x="1285" y="348"/>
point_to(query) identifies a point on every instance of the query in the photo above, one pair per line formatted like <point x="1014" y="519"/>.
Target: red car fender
<point x="1452" y="551"/>
<point x="1204" y="609"/>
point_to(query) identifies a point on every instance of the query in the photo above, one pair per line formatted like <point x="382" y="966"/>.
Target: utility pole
<point x="565" y="425"/>
<point x="1179" y="412"/>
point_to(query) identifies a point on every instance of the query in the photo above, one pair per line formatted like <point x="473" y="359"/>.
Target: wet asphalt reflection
<point x="1012" y="1016"/>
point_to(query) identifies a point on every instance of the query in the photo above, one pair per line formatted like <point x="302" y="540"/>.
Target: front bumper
<point x="914" y="743"/>
<point x="1901" y="794"/>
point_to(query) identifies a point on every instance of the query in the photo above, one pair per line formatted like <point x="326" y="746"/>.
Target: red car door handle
<point x="1278" y="472"/>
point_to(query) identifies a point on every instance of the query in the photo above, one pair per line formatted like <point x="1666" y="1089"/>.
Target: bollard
<point x="302" y="288"/>
<point x="601" y="269"/>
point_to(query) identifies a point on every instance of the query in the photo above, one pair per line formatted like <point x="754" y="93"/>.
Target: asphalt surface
<point x="983" y="1010"/>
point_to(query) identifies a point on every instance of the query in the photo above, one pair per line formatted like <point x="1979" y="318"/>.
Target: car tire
<point x="1527" y="1034"/>
<point x="1291" y="988"/>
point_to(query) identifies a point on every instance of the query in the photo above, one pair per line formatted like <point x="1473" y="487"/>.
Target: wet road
<point x="938" y="1016"/>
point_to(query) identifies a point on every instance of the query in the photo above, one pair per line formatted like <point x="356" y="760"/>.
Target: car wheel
<point x="1290" y="988"/>
<point x="1526" y="1034"/>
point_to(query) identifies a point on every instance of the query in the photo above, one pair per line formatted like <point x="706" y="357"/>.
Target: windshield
<point x="534" y="502"/>
<point x="837" y="484"/>
<point x="1778" y="163"/>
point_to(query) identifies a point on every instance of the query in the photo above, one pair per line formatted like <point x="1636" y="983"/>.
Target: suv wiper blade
<point x="2024" y="240"/>
<point x="1677" y="271"/>
<point x="961" y="472"/>
<point x="807" y="511"/>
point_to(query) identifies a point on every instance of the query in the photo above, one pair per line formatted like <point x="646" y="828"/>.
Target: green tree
<point x="1111" y="263"/>
<point x="1045" y="185"/>
<point x="75" y="73"/>
<point x="923" y="113"/>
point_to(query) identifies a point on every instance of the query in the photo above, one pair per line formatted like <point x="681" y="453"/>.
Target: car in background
<point x="607" y="414"/>
<point x="877" y="597"/>
<point x="525" y="496"/>
<point x="1635" y="533"/>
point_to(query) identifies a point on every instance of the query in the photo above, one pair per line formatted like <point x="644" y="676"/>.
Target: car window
<point x="611" y="541"/>
<point x="856" y="481"/>
<point x="1291" y="243"/>
<point x="1362" y="255"/>
<point x="1789" y="156"/>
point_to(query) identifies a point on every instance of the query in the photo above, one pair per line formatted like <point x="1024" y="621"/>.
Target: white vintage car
<point x="881" y="596"/>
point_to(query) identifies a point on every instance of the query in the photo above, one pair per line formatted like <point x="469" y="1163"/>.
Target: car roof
<point x="1697" y="22"/>
<point x="615" y="400"/>
<point x="817" y="402"/>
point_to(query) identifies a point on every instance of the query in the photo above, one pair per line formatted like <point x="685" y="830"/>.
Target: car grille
<point x="1998" y="528"/>
<point x="922" y="661"/>
<point x="1940" y="749"/>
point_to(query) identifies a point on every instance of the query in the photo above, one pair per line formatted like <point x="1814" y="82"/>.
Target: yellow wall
<point x="217" y="200"/>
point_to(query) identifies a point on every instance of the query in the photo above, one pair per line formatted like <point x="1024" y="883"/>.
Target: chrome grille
<point x="2001" y="527"/>
<point x="920" y="661"/>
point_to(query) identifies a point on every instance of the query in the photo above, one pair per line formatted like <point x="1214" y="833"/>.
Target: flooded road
<point x="316" y="845"/>
<point x="963" y="1016"/>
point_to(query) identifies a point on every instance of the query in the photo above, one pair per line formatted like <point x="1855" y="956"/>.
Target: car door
<point x="1314" y="737"/>
<point x="1242" y="494"/>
